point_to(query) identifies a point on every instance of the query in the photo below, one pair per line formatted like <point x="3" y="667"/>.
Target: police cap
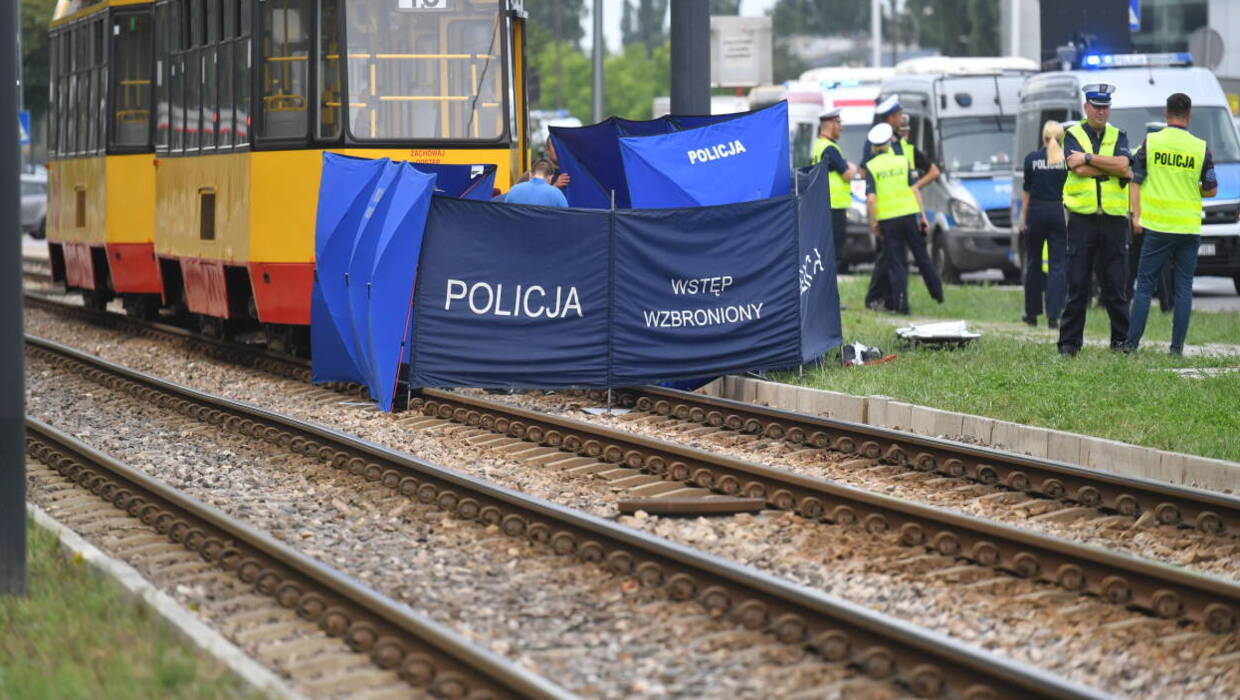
<point x="887" y="106"/>
<point x="1098" y="94"/>
<point x="880" y="134"/>
<point x="826" y="114"/>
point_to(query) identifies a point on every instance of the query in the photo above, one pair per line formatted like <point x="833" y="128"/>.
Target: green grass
<point x="1018" y="376"/>
<point x="76" y="635"/>
<point x="993" y="304"/>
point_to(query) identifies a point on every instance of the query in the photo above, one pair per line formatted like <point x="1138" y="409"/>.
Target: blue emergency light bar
<point x="1136" y="60"/>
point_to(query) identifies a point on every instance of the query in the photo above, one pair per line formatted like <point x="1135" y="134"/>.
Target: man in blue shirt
<point x="537" y="190"/>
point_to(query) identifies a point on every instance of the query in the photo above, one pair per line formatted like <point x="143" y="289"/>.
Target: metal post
<point x="599" y="44"/>
<point x="690" y="57"/>
<point x="876" y="33"/>
<point x="12" y="389"/>
<point x="1014" y="27"/>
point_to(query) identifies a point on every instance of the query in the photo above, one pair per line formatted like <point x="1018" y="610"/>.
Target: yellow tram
<point x="186" y="136"/>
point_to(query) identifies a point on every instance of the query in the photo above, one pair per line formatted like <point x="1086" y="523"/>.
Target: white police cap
<point x="833" y="113"/>
<point x="880" y="134"/>
<point x="887" y="106"/>
<point x="1098" y="94"/>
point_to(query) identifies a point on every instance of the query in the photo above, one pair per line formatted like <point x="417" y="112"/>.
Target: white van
<point x="962" y="115"/>
<point x="1142" y="83"/>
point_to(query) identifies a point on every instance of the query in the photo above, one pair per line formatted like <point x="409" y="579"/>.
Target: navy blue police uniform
<point x="1045" y="225"/>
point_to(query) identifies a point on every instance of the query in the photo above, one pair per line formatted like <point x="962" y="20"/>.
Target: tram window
<point x="285" y="50"/>
<point x="224" y="100"/>
<point x="193" y="98"/>
<point x="52" y="111"/>
<point x="228" y="12"/>
<point x="161" y="77"/>
<point x="210" y="107"/>
<point x="197" y="23"/>
<point x="330" y="95"/>
<point x="241" y="81"/>
<point x="131" y="89"/>
<point x="214" y="21"/>
<point x="245" y="16"/>
<point x="424" y="74"/>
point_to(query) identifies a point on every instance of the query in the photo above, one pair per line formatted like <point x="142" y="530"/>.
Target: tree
<point x="558" y="24"/>
<point x="546" y="15"/>
<point x="566" y="85"/>
<point x="956" y="27"/>
<point x="644" y="24"/>
<point x="725" y="7"/>
<point x="633" y="79"/>
<point x="821" y="17"/>
<point x="35" y="18"/>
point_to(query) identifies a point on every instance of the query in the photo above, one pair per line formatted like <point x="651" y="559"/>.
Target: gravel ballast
<point x="1032" y="623"/>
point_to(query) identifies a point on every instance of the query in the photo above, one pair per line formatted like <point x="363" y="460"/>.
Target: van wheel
<point x="1236" y="281"/>
<point x="41" y="232"/>
<point x="943" y="262"/>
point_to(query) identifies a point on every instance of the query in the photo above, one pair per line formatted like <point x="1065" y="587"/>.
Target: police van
<point x="1142" y="83"/>
<point x="854" y="91"/>
<point x="962" y="115"/>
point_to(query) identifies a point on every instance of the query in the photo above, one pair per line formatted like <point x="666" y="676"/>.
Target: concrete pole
<point x="876" y="33"/>
<point x="12" y="388"/>
<point x="599" y="44"/>
<point x="690" y="57"/>
<point x="1013" y="27"/>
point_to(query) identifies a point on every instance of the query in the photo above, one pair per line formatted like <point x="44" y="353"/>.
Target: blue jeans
<point x="1157" y="249"/>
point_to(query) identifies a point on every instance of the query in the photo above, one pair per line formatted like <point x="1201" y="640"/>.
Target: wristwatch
<point x="1088" y="157"/>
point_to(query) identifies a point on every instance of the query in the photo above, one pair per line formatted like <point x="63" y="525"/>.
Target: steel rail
<point x="1162" y="589"/>
<point x="260" y="358"/>
<point x="1166" y="590"/>
<point x="424" y="652"/>
<point x="927" y="663"/>
<point x="1208" y="511"/>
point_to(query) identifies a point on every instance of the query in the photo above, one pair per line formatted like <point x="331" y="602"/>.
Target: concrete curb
<point x="204" y="637"/>
<point x="1072" y="448"/>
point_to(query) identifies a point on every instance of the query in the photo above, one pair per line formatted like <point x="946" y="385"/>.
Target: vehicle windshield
<point x="1213" y="124"/>
<point x="978" y="144"/>
<point x="852" y="141"/>
<point x="417" y="71"/>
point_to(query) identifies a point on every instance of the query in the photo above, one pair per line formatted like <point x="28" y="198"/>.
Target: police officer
<point x="896" y="218"/>
<point x="1174" y="170"/>
<point x="1165" y="283"/>
<point x="840" y="174"/>
<point x="1095" y="194"/>
<point x="1042" y="225"/>
<point x="889" y="112"/>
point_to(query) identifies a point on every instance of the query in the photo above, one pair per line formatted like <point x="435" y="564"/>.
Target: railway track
<point x="411" y="647"/>
<point x="1161" y="589"/>
<point x="923" y="663"/>
<point x="37" y="270"/>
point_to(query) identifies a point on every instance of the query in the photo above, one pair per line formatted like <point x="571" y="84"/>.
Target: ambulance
<point x="1142" y="83"/>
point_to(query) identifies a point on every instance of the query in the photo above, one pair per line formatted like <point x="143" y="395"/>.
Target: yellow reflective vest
<point x="841" y="190"/>
<point x="1082" y="194"/>
<point x="893" y="195"/>
<point x="1171" y="192"/>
